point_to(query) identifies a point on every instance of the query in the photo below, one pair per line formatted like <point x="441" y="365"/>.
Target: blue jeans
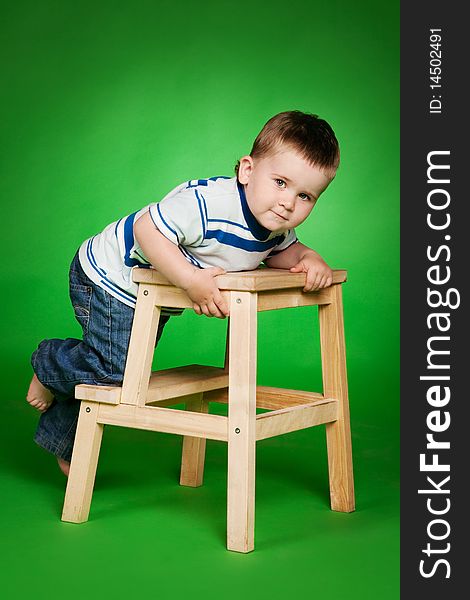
<point x="98" y="359"/>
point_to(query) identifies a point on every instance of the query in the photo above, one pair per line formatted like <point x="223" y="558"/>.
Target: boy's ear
<point x="245" y="169"/>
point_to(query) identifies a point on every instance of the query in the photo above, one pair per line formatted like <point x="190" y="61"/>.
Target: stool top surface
<point x="259" y="280"/>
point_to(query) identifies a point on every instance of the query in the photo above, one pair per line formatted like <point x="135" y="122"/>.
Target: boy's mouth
<point x="279" y="216"/>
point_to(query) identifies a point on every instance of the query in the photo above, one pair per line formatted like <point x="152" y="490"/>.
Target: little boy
<point x="201" y="229"/>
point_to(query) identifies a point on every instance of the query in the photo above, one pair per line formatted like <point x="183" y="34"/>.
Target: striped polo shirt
<point x="208" y="219"/>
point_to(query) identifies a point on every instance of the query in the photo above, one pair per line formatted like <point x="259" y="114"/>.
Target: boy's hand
<point x="203" y="291"/>
<point x="319" y="274"/>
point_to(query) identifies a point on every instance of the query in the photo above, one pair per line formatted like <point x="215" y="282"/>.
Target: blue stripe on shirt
<point x="165" y="223"/>
<point x="102" y="274"/>
<point x="230" y="239"/>
<point x="204" y="181"/>
<point x="91" y="258"/>
<point x="116" y="228"/>
<point x="185" y="253"/>
<point x="205" y="208"/>
<point x="118" y="291"/>
<point x="129" y="241"/>
<point x="199" y="202"/>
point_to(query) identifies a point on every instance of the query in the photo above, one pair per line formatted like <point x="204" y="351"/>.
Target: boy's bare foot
<point x="38" y="396"/>
<point x="64" y="466"/>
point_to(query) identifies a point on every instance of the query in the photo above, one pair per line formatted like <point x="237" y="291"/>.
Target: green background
<point x="106" y="107"/>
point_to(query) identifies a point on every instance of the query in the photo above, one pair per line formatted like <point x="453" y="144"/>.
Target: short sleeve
<point x="180" y="217"/>
<point x="289" y="239"/>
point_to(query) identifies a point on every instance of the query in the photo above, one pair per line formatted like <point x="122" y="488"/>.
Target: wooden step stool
<point x="142" y="401"/>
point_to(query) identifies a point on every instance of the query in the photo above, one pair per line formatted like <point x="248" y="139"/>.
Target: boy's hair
<point x="310" y="136"/>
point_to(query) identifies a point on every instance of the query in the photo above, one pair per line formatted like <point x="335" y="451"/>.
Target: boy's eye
<point x="304" y="196"/>
<point x="280" y="182"/>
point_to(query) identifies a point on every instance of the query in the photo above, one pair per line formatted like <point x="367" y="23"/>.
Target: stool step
<point x="106" y="394"/>
<point x="183" y="381"/>
<point x="164" y="384"/>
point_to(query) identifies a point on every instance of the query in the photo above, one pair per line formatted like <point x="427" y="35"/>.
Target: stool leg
<point x="141" y="346"/>
<point x="82" y="473"/>
<point x="335" y="385"/>
<point x="242" y="422"/>
<point x="227" y="346"/>
<point x="194" y="449"/>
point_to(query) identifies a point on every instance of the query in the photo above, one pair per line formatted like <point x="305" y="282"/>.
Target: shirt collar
<point x="260" y="232"/>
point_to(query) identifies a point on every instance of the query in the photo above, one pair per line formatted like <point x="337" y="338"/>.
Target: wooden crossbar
<point x="195" y="424"/>
<point x="286" y="420"/>
<point x="273" y="300"/>
<point x="267" y="300"/>
<point x="290" y="410"/>
<point x="166" y="420"/>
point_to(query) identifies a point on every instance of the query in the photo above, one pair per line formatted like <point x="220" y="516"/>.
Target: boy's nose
<point x="287" y="202"/>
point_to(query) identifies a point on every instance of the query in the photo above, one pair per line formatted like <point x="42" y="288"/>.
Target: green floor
<point x="149" y="536"/>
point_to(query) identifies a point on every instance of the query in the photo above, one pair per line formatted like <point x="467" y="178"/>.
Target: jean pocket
<point x="80" y="295"/>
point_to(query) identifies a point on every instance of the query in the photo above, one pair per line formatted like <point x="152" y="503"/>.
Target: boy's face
<point x="282" y="189"/>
